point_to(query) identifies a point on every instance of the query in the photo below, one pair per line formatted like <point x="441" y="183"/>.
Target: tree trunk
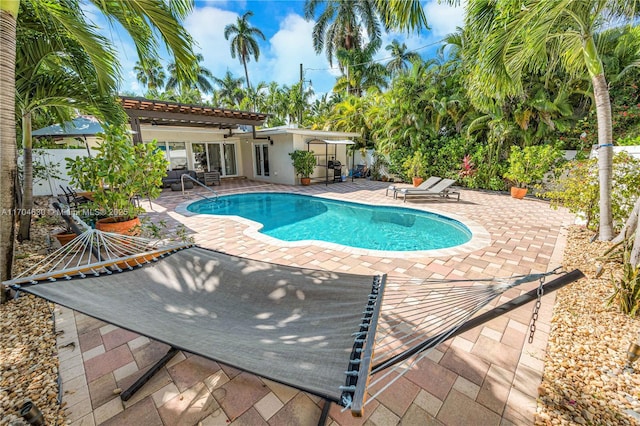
<point x="27" y="181"/>
<point x="605" y="154"/>
<point x="631" y="225"/>
<point x="246" y="73"/>
<point x="8" y="165"/>
<point x="634" y="257"/>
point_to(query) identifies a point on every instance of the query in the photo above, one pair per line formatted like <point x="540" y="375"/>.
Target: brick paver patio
<point x="486" y="376"/>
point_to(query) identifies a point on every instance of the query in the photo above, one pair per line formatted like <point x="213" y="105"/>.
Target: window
<point x="177" y="155"/>
<point x="200" y="163"/>
<point x="230" y="159"/>
<point x="261" y="154"/>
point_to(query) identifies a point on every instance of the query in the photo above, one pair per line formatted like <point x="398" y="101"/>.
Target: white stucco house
<point x="202" y="138"/>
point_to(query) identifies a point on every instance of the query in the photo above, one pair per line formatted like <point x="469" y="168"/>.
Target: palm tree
<point x="254" y="97"/>
<point x="151" y="74"/>
<point x="8" y="164"/>
<point x="404" y="15"/>
<point x="542" y="36"/>
<point x="243" y="43"/>
<point x="140" y="20"/>
<point x="202" y="75"/>
<point x="362" y="73"/>
<point x="296" y="100"/>
<point x="54" y="74"/>
<point x="350" y="116"/>
<point x="340" y="23"/>
<point x="399" y="57"/>
<point x="229" y="90"/>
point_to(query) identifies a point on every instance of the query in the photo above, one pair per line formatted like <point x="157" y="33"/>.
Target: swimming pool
<point x="294" y="217"/>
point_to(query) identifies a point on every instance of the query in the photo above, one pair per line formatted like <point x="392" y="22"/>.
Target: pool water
<point x="293" y="217"/>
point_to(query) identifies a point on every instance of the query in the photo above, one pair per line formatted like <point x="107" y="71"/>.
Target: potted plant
<point x="303" y="163"/>
<point x="415" y="167"/>
<point x="528" y="165"/>
<point x="65" y="236"/>
<point x="118" y="176"/>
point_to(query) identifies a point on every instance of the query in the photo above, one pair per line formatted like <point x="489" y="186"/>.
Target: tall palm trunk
<point x="27" y="182"/>
<point x="246" y="72"/>
<point x="605" y="154"/>
<point x="8" y="165"/>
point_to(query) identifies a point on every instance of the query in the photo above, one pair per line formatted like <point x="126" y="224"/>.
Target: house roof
<point x="331" y="142"/>
<point x="321" y="134"/>
<point x="79" y="126"/>
<point x="177" y="114"/>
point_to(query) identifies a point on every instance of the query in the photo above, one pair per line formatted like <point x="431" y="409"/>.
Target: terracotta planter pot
<point x="128" y="227"/>
<point x="518" y="193"/>
<point x="64" y="237"/>
<point x="305" y="181"/>
<point x="417" y="181"/>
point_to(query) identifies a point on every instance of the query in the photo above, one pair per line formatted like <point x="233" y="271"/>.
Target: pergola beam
<point x="168" y="113"/>
<point x="187" y="119"/>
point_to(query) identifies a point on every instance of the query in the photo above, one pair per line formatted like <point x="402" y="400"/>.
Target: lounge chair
<point x="440" y="189"/>
<point x="424" y="185"/>
<point x="72" y="197"/>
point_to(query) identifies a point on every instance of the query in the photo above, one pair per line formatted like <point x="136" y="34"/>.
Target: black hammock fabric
<point x="291" y="325"/>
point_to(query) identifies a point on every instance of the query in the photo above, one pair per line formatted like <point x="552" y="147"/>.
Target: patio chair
<point x="440" y="189"/>
<point x="360" y="171"/>
<point x="72" y="197"/>
<point x="424" y="185"/>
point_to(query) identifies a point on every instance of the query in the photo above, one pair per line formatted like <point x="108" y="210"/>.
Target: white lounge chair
<point x="440" y="189"/>
<point x="424" y="185"/>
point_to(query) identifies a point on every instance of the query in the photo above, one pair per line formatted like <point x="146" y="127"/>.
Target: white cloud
<point x="291" y="46"/>
<point x="442" y="18"/>
<point x="206" y="26"/>
<point x="282" y="54"/>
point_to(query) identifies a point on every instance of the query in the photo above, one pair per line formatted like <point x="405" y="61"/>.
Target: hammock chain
<point x="536" y="309"/>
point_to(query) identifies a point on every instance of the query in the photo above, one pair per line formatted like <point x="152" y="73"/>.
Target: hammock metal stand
<point x="432" y="342"/>
<point x="366" y="369"/>
<point x="148" y="375"/>
<point x="385" y="325"/>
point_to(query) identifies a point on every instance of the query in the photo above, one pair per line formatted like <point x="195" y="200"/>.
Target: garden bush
<point x="577" y="188"/>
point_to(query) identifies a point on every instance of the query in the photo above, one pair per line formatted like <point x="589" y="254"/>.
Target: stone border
<point x="480" y="237"/>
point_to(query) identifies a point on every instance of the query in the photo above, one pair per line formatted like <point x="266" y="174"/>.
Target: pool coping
<point x="480" y="237"/>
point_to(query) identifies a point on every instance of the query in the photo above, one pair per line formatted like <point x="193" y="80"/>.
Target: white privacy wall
<point x="54" y="158"/>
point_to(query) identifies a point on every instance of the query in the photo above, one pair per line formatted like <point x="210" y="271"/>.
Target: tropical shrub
<point x="467" y="171"/>
<point x="303" y="162"/>
<point x="529" y="165"/>
<point x="626" y="285"/>
<point x="397" y="157"/>
<point x="449" y="152"/>
<point x="490" y="169"/>
<point x="628" y="141"/>
<point x="415" y="166"/>
<point x="379" y="166"/>
<point x="577" y="189"/>
<point x="119" y="173"/>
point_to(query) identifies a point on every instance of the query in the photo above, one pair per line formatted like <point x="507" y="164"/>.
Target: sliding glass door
<point x="212" y="156"/>
<point x="230" y="167"/>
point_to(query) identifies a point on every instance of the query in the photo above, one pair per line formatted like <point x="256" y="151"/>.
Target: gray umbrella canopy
<point x="79" y="126"/>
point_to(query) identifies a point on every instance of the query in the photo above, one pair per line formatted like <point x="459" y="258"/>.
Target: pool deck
<point x="486" y="376"/>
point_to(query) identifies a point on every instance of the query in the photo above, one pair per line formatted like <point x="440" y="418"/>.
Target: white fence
<point x="54" y="159"/>
<point x="633" y="150"/>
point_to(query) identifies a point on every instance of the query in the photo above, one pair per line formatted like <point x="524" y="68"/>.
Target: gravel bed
<point x="584" y="379"/>
<point x="28" y="352"/>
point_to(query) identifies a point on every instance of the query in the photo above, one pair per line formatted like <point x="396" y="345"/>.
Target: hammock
<point x="331" y="334"/>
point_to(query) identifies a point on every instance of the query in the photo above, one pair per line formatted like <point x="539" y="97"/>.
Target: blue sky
<point x="288" y="41"/>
